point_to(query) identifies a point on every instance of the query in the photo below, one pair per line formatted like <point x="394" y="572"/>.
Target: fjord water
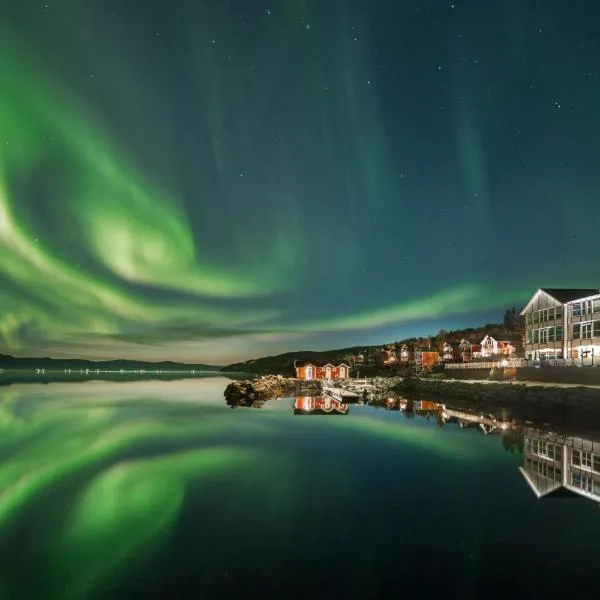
<point x="160" y="490"/>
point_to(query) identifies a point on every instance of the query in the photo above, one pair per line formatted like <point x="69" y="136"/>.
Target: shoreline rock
<point x="248" y="391"/>
<point x="535" y="403"/>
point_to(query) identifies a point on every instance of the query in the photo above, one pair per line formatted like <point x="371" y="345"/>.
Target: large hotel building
<point x="563" y="324"/>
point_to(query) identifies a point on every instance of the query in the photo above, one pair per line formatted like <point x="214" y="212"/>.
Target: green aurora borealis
<point x="209" y="182"/>
<point x="105" y="470"/>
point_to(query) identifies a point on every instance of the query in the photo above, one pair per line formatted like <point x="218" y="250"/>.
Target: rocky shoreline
<point x="542" y="404"/>
<point x="536" y="403"/>
<point x="248" y="392"/>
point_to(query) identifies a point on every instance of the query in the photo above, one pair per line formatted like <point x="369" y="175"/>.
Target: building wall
<point x="561" y="339"/>
<point x="312" y="403"/>
<point x="576" y="345"/>
<point x="428" y="359"/>
<point x="313" y="372"/>
<point x="405" y="354"/>
<point x="489" y="347"/>
<point x="546" y="315"/>
<point x="551" y="462"/>
<point x="302" y="373"/>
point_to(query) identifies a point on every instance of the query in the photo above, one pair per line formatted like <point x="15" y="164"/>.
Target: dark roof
<point x="564" y="295"/>
<point x="320" y="363"/>
<point x="320" y="411"/>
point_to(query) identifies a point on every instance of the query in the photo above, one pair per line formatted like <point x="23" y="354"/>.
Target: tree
<point x="513" y="321"/>
<point x="440" y="339"/>
<point x="513" y="440"/>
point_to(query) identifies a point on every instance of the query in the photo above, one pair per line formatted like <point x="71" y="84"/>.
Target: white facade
<point x="563" y="330"/>
<point x="448" y="352"/>
<point x="552" y="462"/>
<point x="489" y="346"/>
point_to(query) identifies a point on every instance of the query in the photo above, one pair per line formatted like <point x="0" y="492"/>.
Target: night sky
<point x="212" y="181"/>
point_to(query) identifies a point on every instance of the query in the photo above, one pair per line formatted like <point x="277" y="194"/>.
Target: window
<point x="543" y="469"/>
<point x="559" y="334"/>
<point x="536" y="336"/>
<point x="597" y="305"/>
<point x="530" y="337"/>
<point x="596" y="328"/>
<point x="528" y="318"/>
<point x="583" y="482"/>
<point x="543" y="336"/>
<point x="586" y="331"/>
<point x="546" y="449"/>
<point x="576" y="331"/>
<point x="582" y="459"/>
<point x="582" y="308"/>
<point x="597" y="463"/>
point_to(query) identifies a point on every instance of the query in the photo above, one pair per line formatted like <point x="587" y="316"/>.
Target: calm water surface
<point x="160" y="490"/>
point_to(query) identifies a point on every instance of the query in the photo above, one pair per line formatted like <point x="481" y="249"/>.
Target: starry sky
<point x="212" y="181"/>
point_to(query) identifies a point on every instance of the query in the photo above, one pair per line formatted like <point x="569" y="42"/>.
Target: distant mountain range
<point x="282" y="364"/>
<point x="12" y="362"/>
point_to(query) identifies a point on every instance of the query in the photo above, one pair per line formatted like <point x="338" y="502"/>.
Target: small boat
<point x="339" y="393"/>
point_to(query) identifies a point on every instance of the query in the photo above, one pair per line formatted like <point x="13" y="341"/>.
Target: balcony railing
<point x="524" y="362"/>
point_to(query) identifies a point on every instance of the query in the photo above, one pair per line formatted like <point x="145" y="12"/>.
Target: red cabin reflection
<point x="317" y="405"/>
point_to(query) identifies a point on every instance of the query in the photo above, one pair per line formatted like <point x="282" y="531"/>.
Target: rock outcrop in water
<point x="250" y="391"/>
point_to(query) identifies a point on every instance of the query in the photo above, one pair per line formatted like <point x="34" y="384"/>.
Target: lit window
<point x="582" y="459"/>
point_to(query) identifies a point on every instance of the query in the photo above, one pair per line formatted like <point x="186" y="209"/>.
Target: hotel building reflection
<point x="557" y="465"/>
<point x="319" y="405"/>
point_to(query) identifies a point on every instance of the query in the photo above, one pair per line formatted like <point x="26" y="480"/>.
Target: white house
<point x="489" y="346"/>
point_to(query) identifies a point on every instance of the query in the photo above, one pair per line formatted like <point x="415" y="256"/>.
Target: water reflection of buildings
<point x="319" y="405"/>
<point x="442" y="415"/>
<point x="554" y="465"/>
<point x="557" y="465"/>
